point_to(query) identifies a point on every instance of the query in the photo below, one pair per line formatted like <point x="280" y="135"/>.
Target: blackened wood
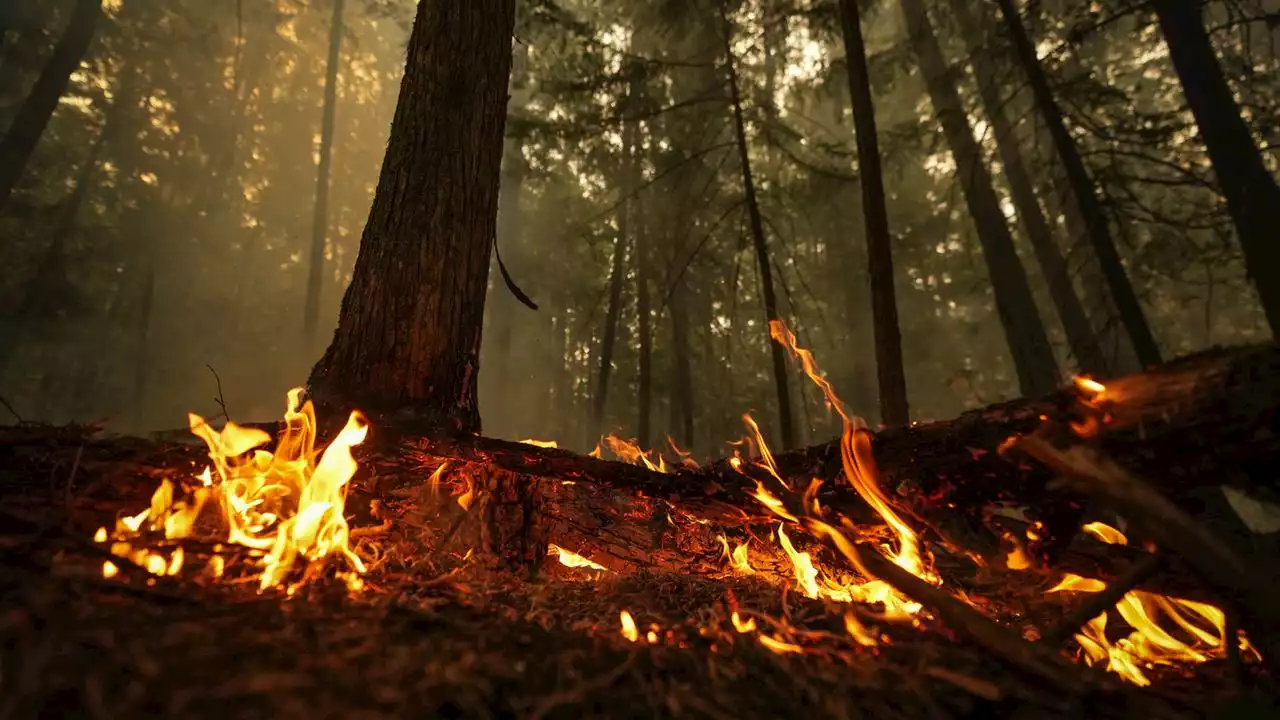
<point x="513" y="528"/>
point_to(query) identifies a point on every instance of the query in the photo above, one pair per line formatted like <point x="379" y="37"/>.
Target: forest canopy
<point x="159" y="241"/>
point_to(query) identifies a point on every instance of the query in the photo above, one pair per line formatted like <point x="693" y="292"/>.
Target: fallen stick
<point x="1169" y="527"/>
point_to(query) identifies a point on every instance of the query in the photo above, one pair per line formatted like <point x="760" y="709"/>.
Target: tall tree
<point x="28" y="125"/>
<point x="610" y="336"/>
<point x="1024" y="331"/>
<point x="1080" y="336"/>
<point x="408" y="335"/>
<point x="1253" y="197"/>
<point x="875" y="217"/>
<point x="320" y="220"/>
<point x="1084" y="189"/>
<point x="763" y="264"/>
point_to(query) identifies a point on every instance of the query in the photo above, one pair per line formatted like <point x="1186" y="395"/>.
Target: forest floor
<point x="443" y="633"/>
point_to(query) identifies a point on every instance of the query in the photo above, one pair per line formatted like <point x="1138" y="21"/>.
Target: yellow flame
<point x="742" y="626"/>
<point x="541" y="443"/>
<point x="778" y="646"/>
<point x="288" y="503"/>
<point x="629" y="629"/>
<point x="573" y="560"/>
<point x="1149" y="644"/>
<point x="629" y="452"/>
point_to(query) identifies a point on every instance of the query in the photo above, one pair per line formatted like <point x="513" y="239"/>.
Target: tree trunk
<point x="884" y="304"/>
<point x="785" y="425"/>
<point x="682" y="385"/>
<point x="640" y="230"/>
<point x="1253" y="198"/>
<point x="28" y="125"/>
<point x="1131" y="314"/>
<point x="320" y="220"/>
<point x="408" y="336"/>
<point x="1024" y="331"/>
<point x="610" y="326"/>
<point x="1080" y="335"/>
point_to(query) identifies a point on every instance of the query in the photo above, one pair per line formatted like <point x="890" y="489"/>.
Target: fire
<point x="630" y="452"/>
<point x="629" y="629"/>
<point x="540" y="443"/>
<point x="287" y="504"/>
<point x="574" y="560"/>
<point x="1149" y="644"/>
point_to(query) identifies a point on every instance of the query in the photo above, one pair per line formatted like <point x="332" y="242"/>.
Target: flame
<point x="742" y="626"/>
<point x="1092" y="387"/>
<point x="286" y="503"/>
<point x="741" y="562"/>
<point x="629" y="452"/>
<point x="778" y="646"/>
<point x="629" y="630"/>
<point x="1149" y="644"/>
<point x="540" y="443"/>
<point x="686" y="457"/>
<point x="573" y="560"/>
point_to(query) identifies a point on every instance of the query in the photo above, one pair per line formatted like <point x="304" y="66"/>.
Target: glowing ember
<point x="540" y="443"/>
<point x="574" y="560"/>
<point x="1203" y="626"/>
<point x="285" y="503"/>
<point x="778" y="646"/>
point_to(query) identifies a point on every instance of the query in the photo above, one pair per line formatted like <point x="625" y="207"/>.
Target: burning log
<point x="1203" y="420"/>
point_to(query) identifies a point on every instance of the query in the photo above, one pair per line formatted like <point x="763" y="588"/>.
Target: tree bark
<point x="1080" y="336"/>
<point x="320" y="219"/>
<point x="1033" y="358"/>
<point x="1253" y="197"/>
<point x="785" y="425"/>
<point x="1131" y="314"/>
<point x="884" y="305"/>
<point x="33" y="117"/>
<point x="408" y="336"/>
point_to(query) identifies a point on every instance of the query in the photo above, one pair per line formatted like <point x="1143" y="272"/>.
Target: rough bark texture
<point x="1080" y="336"/>
<point x="884" y="306"/>
<point x="1131" y="314"/>
<point x="408" y="336"/>
<point x="1253" y="198"/>
<point x="786" y="427"/>
<point x="28" y="125"/>
<point x="320" y="218"/>
<point x="513" y="529"/>
<point x="1024" y="331"/>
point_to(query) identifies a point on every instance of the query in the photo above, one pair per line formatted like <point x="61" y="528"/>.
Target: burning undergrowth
<point x="634" y="594"/>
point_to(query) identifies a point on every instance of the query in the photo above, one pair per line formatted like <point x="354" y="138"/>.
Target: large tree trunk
<point x="408" y="336"/>
<point x="28" y="125"/>
<point x="1131" y="314"/>
<point x="1253" y="198"/>
<point x="320" y="219"/>
<point x="1080" y="336"/>
<point x="785" y="425"/>
<point x="884" y="304"/>
<point x="1024" y="331"/>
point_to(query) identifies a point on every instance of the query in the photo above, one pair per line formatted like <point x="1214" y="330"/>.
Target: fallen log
<point x="1203" y="420"/>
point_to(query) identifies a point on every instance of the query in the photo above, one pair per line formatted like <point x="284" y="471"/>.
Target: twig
<point x="222" y="403"/>
<point x="1098" y="603"/>
<point x="12" y="412"/>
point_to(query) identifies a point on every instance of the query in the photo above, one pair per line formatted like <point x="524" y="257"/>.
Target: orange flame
<point x="286" y="502"/>
<point x="1149" y="644"/>
<point x="629" y="452"/>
